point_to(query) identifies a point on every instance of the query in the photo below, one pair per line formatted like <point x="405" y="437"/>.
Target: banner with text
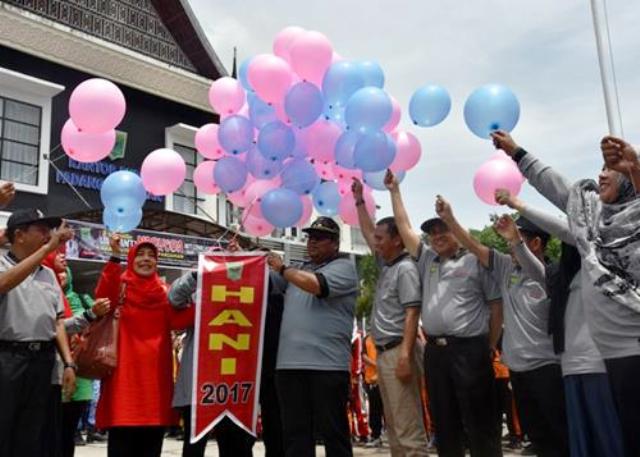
<point x="230" y="313"/>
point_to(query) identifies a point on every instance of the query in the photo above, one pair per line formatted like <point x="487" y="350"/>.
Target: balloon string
<point x="36" y="169"/>
<point x="69" y="183"/>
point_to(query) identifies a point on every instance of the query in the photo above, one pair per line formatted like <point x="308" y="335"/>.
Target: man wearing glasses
<point x="312" y="376"/>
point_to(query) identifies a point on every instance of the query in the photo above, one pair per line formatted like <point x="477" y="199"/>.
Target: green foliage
<point x="368" y="271"/>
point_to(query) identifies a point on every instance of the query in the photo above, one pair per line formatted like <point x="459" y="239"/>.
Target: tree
<point x="368" y="272"/>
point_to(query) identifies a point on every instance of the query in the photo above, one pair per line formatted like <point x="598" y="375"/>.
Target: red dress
<point x="139" y="391"/>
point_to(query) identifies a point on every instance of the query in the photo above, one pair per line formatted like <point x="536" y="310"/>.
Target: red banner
<point x="230" y="313"/>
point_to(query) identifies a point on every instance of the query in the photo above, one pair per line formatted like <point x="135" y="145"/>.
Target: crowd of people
<point x="460" y="337"/>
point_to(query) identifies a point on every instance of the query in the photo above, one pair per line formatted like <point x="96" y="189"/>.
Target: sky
<point x="544" y="50"/>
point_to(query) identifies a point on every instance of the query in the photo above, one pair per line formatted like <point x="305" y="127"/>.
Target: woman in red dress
<point x="135" y="400"/>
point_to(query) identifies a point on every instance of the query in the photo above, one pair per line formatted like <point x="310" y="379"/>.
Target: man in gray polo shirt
<point x="394" y="326"/>
<point x="31" y="311"/>
<point x="462" y="318"/>
<point x="314" y="354"/>
<point x="535" y="371"/>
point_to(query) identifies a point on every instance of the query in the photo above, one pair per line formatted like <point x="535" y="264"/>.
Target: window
<point x="186" y="199"/>
<point x="25" y="130"/>
<point x="19" y="141"/>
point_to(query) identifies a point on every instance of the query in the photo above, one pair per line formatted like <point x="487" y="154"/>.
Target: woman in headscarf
<point x="135" y="400"/>
<point x="604" y="219"/>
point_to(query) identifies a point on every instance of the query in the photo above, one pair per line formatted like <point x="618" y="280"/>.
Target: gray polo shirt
<point x="455" y="294"/>
<point x="526" y="342"/>
<point x="28" y="312"/>
<point x="316" y="330"/>
<point x="398" y="288"/>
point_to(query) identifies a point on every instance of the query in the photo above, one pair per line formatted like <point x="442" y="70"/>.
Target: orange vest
<point x="370" y="371"/>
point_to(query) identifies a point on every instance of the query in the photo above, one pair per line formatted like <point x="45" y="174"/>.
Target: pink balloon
<point x="97" y="105"/>
<point x="254" y="224"/>
<point x="500" y="155"/>
<point x="203" y="178"/>
<point x="281" y="113"/>
<point x="257" y="189"/>
<point x="335" y="57"/>
<point x="311" y="55"/>
<point x="324" y="169"/>
<point x="396" y="114"/>
<point x="348" y="211"/>
<point x="321" y="140"/>
<point x="163" y="171"/>
<point x="307" y="210"/>
<point x="207" y="142"/>
<point x="345" y="174"/>
<point x="493" y="175"/>
<point x="344" y="187"/>
<point x="244" y="111"/>
<point x="408" y="151"/>
<point x="270" y="77"/>
<point x="284" y="39"/>
<point x="226" y="95"/>
<point x="85" y="146"/>
<point x="240" y="198"/>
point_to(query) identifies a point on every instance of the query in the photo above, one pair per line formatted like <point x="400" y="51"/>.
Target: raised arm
<point x="443" y="208"/>
<point x="620" y="156"/>
<point x="182" y="290"/>
<point x="410" y="239"/>
<point x="366" y="224"/>
<point x="549" y="183"/>
<point x="109" y="282"/>
<point x="556" y="226"/>
<point x="532" y="267"/>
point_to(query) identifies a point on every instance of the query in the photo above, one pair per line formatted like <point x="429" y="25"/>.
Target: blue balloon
<point x="345" y="147"/>
<point x="276" y="141"/>
<point x="303" y="104"/>
<point x="375" y="179"/>
<point x="300" y="149"/>
<point x="230" y="174"/>
<point x="235" y="134"/>
<point x="341" y="80"/>
<point x="242" y="74"/>
<point x="326" y="198"/>
<point x="121" y="222"/>
<point x="260" y="112"/>
<point x="429" y="105"/>
<point x="260" y="167"/>
<point x="371" y="72"/>
<point x="281" y="207"/>
<point x="490" y="108"/>
<point x="123" y="183"/>
<point x="335" y="114"/>
<point x="123" y="204"/>
<point x="300" y="176"/>
<point x="368" y="109"/>
<point x="374" y="151"/>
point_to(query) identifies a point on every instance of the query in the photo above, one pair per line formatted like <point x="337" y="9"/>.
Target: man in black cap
<point x="31" y="327"/>
<point x="462" y="318"/>
<point x="534" y="367"/>
<point x="312" y="371"/>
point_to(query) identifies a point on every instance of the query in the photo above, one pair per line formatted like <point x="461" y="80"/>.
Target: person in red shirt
<point x="135" y="400"/>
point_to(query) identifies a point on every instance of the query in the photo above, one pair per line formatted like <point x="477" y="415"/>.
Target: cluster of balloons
<point x="296" y="127"/>
<point x="122" y="195"/>
<point x="96" y="107"/>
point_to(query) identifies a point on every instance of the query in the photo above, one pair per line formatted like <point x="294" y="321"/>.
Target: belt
<point x="30" y="346"/>
<point x="452" y="340"/>
<point x="389" y="345"/>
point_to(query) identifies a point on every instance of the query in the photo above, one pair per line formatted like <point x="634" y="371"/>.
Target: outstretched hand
<point x="391" y="181"/>
<point x="618" y="155"/>
<point x="504" y="197"/>
<point x="59" y="236"/>
<point x="503" y="140"/>
<point x="7" y="193"/>
<point x="356" y="190"/>
<point x="443" y="209"/>
<point x="507" y="229"/>
<point x="114" y="243"/>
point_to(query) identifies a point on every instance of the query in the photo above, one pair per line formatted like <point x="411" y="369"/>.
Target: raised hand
<point x="59" y="235"/>
<point x="114" y="243"/>
<point x="7" y="192"/>
<point x="504" y="197"/>
<point x="507" y="229"/>
<point x="502" y="140"/>
<point x="356" y="189"/>
<point x="443" y="209"/>
<point x="618" y="155"/>
<point x="275" y="261"/>
<point x="391" y="182"/>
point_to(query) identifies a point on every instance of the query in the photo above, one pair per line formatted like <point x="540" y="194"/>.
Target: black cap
<point x="525" y="225"/>
<point x="432" y="223"/>
<point x="324" y="225"/>
<point x="31" y="216"/>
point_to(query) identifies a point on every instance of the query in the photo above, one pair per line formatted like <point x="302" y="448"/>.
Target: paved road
<point x="172" y="448"/>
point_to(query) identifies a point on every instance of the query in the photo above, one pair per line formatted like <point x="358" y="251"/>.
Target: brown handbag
<point x="95" y="351"/>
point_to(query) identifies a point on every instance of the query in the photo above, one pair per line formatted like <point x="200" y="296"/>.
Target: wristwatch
<point x="71" y="365"/>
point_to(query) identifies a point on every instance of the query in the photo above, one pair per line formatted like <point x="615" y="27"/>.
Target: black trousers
<point x="505" y="406"/>
<point x="25" y="380"/>
<point x="314" y="401"/>
<point x="71" y="414"/>
<point x="375" y="409"/>
<point x="232" y="440"/>
<point x="462" y="394"/>
<point x="624" y="374"/>
<point x="540" y="400"/>
<point x="271" y="418"/>
<point x="51" y="442"/>
<point x="135" y="441"/>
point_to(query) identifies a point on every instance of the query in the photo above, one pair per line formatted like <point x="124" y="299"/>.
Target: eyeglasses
<point x="320" y="236"/>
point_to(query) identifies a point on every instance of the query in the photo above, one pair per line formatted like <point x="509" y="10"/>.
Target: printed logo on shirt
<point x="536" y="292"/>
